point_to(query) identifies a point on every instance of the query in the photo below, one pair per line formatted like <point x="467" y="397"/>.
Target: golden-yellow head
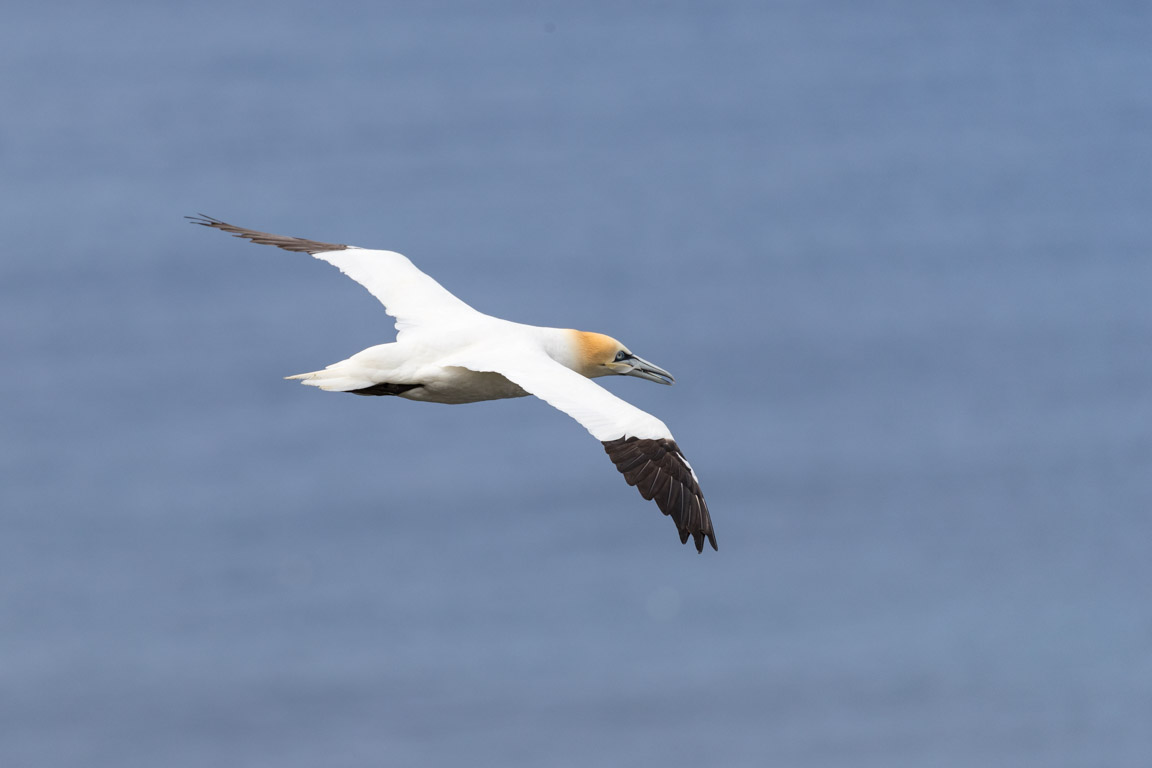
<point x="600" y="355"/>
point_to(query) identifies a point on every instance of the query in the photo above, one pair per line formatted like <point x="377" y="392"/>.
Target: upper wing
<point x="638" y="443"/>
<point x="408" y="295"/>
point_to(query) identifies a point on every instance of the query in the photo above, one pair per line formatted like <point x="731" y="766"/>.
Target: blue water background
<point x="898" y="255"/>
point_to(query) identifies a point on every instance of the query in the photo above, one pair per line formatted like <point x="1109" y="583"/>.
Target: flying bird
<point x="447" y="352"/>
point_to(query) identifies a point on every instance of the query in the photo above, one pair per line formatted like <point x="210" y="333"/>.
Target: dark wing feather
<point x="658" y="470"/>
<point x="298" y="244"/>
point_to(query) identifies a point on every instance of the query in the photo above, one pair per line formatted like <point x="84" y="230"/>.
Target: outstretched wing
<point x="408" y="295"/>
<point x="638" y="443"/>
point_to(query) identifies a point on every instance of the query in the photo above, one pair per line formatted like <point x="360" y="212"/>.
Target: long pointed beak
<point x="646" y="370"/>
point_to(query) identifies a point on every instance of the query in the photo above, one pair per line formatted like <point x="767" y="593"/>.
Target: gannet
<point x="447" y="352"/>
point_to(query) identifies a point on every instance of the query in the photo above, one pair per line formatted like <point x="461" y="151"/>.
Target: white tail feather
<point x="332" y="380"/>
<point x="364" y="369"/>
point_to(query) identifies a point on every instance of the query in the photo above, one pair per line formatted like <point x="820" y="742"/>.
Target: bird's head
<point x="601" y="355"/>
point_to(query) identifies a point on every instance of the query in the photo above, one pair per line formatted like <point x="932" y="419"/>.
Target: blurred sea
<point x="897" y="255"/>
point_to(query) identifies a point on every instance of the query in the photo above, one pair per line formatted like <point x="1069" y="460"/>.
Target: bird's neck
<point x="573" y="349"/>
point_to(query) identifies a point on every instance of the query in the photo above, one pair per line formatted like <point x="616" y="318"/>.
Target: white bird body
<point x="425" y="361"/>
<point x="447" y="352"/>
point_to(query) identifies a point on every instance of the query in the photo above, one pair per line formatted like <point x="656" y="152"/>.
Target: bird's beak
<point x="638" y="366"/>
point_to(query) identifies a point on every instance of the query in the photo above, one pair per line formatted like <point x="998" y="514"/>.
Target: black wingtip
<point x="297" y="244"/>
<point x="698" y="540"/>
<point x="203" y="220"/>
<point x="658" y="470"/>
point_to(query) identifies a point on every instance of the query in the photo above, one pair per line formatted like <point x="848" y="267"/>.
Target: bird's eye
<point x="621" y="356"/>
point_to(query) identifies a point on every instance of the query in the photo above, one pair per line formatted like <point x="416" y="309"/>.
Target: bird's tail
<point x="334" y="378"/>
<point x="363" y="370"/>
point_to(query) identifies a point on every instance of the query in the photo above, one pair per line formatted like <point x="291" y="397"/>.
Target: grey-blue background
<point x="896" y="253"/>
